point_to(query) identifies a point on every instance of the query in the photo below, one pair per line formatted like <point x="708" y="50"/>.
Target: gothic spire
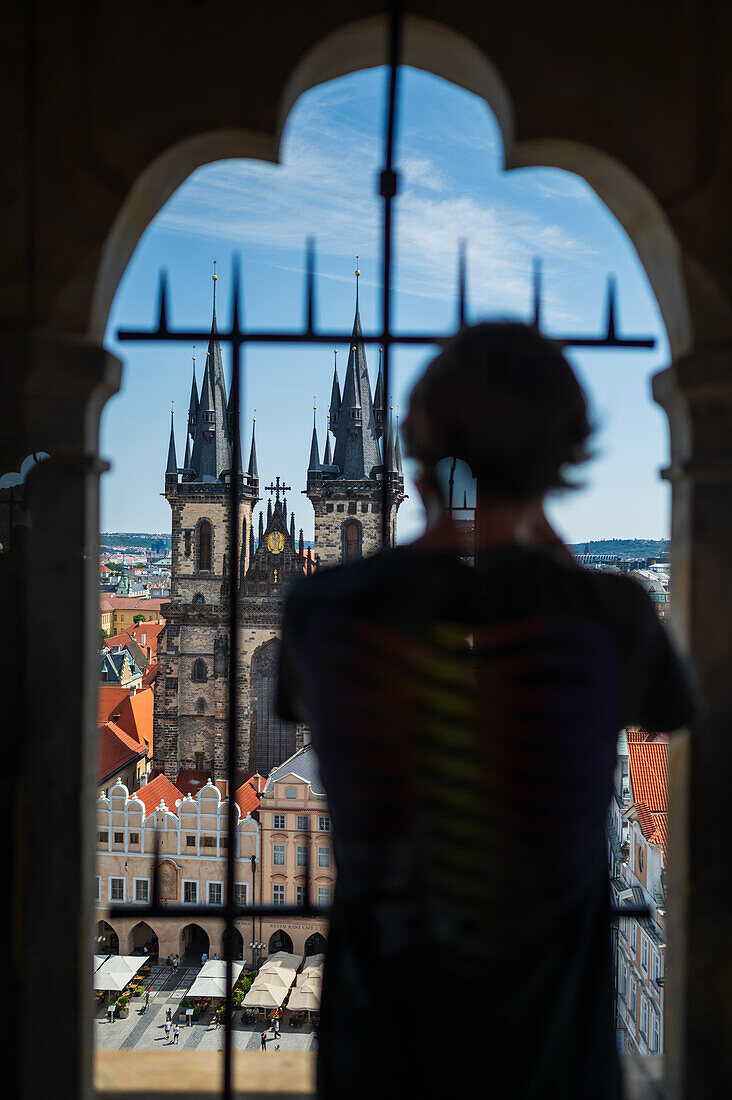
<point x="212" y="438"/>
<point x="335" y="394"/>
<point x="269" y="511"/>
<point x="172" y="467"/>
<point x="314" y="463"/>
<point x="398" y="450"/>
<point x="357" y="439"/>
<point x="292" y="527"/>
<point x="193" y="405"/>
<point x="301" y="547"/>
<point x="379" y="402"/>
<point x="187" y="459"/>
<point x="284" y="511"/>
<point x="261" y="527"/>
<point x="327" y="455"/>
<point x="253" y="470"/>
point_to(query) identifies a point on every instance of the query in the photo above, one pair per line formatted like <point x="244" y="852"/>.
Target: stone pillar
<point x="52" y="390"/>
<point x="696" y="393"/>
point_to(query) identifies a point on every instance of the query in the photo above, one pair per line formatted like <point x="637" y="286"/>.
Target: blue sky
<point x="453" y="186"/>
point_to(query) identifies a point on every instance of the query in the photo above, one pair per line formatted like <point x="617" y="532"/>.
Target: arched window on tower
<point x="352" y="550"/>
<point x="274" y="739"/>
<point x="199" y="671"/>
<point x="204" y="546"/>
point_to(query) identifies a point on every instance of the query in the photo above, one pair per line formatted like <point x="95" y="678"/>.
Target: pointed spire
<point x="398" y="450"/>
<point x="314" y="463"/>
<point x="251" y="539"/>
<point x="261" y="526"/>
<point x="253" y="470"/>
<point x="327" y="456"/>
<point x="389" y="453"/>
<point x="269" y="511"/>
<point x="292" y="527"/>
<point x="379" y="402"/>
<point x="358" y="276"/>
<point x="301" y="547"/>
<point x="335" y="394"/>
<point x="187" y="459"/>
<point x="172" y="467"/>
<point x="193" y="405"/>
<point x="357" y="439"/>
<point x="284" y="511"/>
<point x="213" y="436"/>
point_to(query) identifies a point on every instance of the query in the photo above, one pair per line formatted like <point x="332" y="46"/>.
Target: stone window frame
<point x="344" y="541"/>
<point x="279" y="850"/>
<point x="189" y="882"/>
<point x="113" y="879"/>
<point x="279" y="821"/>
<point x="301" y="855"/>
<point x="278" y="893"/>
<point x="323" y="896"/>
<point x="324" y="857"/>
<point x="324" y="823"/>
<point x="209" y="899"/>
<point x="197" y="547"/>
<point x="241" y="893"/>
<point x="197" y="665"/>
<point x="146" y="899"/>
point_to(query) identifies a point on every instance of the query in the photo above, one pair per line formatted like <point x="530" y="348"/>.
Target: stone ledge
<point x="197" y="1075"/>
<point x="259" y="1075"/>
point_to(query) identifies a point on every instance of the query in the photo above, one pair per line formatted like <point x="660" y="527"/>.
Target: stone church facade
<point x="345" y="489"/>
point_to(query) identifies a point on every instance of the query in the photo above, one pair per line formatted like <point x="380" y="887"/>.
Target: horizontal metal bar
<point x="220" y="911"/>
<point x="418" y="339"/>
<point x="630" y="911"/>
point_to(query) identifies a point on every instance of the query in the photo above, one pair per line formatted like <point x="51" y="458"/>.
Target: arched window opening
<point x="200" y="705"/>
<point x="204" y="547"/>
<point x="274" y="739"/>
<point x="198" y="600"/>
<point x="199" y="671"/>
<point x="352" y="541"/>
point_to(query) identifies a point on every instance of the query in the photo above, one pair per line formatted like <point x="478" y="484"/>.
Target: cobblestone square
<point x="145" y="1030"/>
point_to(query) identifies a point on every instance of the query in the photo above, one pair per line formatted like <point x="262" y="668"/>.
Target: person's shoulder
<point x="337" y="582"/>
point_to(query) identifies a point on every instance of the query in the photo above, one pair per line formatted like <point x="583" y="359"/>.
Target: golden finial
<point x="214" y="276"/>
<point x="358" y="272"/>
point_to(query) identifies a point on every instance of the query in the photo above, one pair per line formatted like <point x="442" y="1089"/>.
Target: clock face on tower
<point x="275" y="542"/>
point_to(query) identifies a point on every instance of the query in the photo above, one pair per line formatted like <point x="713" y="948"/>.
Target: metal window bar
<point x="238" y="336"/>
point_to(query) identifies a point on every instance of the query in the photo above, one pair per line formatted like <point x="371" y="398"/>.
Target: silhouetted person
<point x="466" y="720"/>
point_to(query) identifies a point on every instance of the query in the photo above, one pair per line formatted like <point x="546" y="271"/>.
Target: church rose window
<point x="204" y="547"/>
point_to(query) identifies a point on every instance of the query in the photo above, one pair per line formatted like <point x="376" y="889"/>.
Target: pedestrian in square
<point x="263" y="1040"/>
<point x="167" y="1029"/>
<point x="176" y="1033"/>
<point x="147" y="997"/>
<point x="277" y="1029"/>
<point x="168" y="1016"/>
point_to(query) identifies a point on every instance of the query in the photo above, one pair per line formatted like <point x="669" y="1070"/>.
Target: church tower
<point x="191" y="698"/>
<point x="346" y="488"/>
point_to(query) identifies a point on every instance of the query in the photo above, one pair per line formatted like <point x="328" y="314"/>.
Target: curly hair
<point x="505" y="400"/>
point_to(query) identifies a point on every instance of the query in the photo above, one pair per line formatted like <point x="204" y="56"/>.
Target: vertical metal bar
<point x="388" y="191"/>
<point x="233" y="590"/>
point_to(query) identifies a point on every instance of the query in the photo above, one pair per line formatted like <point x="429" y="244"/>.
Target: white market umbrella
<point x="113" y="973"/>
<point x="264" y="997"/>
<point x="211" y="980"/>
<point x="303" y="1000"/>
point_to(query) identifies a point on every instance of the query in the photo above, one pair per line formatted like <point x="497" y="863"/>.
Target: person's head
<point x="503" y="399"/>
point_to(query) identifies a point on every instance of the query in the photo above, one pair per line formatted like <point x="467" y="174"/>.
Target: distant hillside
<point x="622" y="548"/>
<point x="135" y="541"/>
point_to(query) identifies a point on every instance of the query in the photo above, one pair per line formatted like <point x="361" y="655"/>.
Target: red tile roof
<point x="190" y="781"/>
<point x="116" y="750"/>
<point x="648" y="762"/>
<point x="159" y="789"/>
<point x="135" y="716"/>
<point x="247" y="797"/>
<point x="150" y="675"/>
<point x="136" y="603"/>
<point x="109" y="700"/>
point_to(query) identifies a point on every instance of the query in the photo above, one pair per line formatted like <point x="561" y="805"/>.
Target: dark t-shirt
<point x="465" y="722"/>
